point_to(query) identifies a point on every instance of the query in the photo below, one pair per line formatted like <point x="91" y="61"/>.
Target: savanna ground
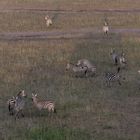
<point x="86" y="108"/>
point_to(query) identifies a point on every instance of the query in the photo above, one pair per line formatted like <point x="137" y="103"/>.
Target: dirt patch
<point x="69" y="10"/>
<point x="83" y="33"/>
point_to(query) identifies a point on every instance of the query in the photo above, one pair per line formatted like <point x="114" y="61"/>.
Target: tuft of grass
<point x="56" y="134"/>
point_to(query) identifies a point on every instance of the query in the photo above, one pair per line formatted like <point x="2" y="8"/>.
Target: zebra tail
<point x="9" y="107"/>
<point x="55" y="111"/>
<point x="116" y="61"/>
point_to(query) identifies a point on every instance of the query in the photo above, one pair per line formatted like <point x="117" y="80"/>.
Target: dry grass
<point x="86" y="108"/>
<point x="72" y="4"/>
<point x="83" y="104"/>
<point x="26" y="21"/>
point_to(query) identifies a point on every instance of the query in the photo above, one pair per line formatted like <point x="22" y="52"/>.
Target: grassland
<point x="72" y="4"/>
<point x="32" y="21"/>
<point x="86" y="108"/>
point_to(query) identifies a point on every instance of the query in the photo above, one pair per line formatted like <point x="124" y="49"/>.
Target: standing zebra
<point x="48" y="105"/>
<point x="105" y="28"/>
<point x="118" y="59"/>
<point x="19" y="104"/>
<point x="114" y="56"/>
<point x="112" y="76"/>
<point x="48" y="21"/>
<point x="11" y="105"/>
<point x="122" y="60"/>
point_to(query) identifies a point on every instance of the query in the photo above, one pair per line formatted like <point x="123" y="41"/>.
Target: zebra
<point x="114" y="56"/>
<point x="86" y="63"/>
<point x="40" y="105"/>
<point x="105" y="28"/>
<point x="118" y="59"/>
<point x="19" y="103"/>
<point x="11" y="104"/>
<point x="112" y="76"/>
<point x="48" y="20"/>
<point x="122" y="60"/>
<point x="77" y="70"/>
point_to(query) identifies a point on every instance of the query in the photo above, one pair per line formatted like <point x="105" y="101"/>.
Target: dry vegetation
<point x="86" y="108"/>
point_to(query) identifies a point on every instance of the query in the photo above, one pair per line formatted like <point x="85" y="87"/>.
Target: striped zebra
<point x="48" y="20"/>
<point x="16" y="104"/>
<point x="112" y="76"/>
<point x="43" y="105"/>
<point x="11" y="105"/>
<point x="20" y="104"/>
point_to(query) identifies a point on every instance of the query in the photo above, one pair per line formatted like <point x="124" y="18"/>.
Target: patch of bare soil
<point x="83" y="33"/>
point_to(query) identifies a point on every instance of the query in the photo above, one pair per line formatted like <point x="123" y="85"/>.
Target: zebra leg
<point x="108" y="83"/>
<point x="119" y="82"/>
<point x="22" y="113"/>
<point x="17" y="115"/>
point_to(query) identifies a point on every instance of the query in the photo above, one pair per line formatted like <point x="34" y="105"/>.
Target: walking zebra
<point x="111" y="77"/>
<point x="48" y="105"/>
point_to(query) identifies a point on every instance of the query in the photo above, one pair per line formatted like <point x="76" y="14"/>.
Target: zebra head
<point x="46" y="17"/>
<point x="21" y="94"/>
<point x="34" y="96"/>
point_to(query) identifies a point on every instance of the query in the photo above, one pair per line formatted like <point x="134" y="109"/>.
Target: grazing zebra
<point x="111" y="77"/>
<point x="105" y="28"/>
<point x="77" y="70"/>
<point x="11" y="105"/>
<point x="48" y="21"/>
<point x="19" y="104"/>
<point x="47" y="105"/>
<point x="86" y="63"/>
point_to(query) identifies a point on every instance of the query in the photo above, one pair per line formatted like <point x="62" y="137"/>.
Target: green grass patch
<point x="56" y="134"/>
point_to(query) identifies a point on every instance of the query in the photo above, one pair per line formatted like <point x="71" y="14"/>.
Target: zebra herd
<point x="85" y="68"/>
<point x="16" y="104"/>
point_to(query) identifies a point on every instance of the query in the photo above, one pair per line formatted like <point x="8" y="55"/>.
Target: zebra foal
<point x="43" y="105"/>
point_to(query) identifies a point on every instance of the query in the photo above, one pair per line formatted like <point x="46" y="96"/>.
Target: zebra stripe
<point x="49" y="105"/>
<point x="110" y="77"/>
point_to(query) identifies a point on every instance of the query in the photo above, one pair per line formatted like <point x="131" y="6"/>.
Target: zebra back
<point x="112" y="76"/>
